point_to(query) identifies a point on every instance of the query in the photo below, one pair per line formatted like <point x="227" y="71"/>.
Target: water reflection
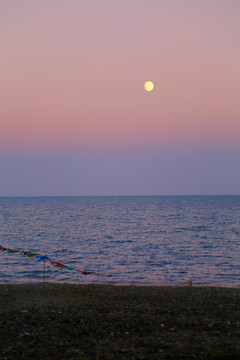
<point x="142" y="240"/>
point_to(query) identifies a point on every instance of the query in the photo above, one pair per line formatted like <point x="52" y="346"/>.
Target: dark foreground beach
<point x="64" y="321"/>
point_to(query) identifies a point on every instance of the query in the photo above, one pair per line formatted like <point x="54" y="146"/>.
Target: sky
<point x="75" y="118"/>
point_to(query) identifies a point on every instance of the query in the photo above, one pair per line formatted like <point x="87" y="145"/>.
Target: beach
<point x="68" y="321"/>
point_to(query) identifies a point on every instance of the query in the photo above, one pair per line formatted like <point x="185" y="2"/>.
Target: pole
<point x="98" y="274"/>
<point x="44" y="277"/>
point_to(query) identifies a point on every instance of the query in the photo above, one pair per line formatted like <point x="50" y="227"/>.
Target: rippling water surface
<point x="143" y="240"/>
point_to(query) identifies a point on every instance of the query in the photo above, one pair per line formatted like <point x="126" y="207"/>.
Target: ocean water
<point x="150" y="240"/>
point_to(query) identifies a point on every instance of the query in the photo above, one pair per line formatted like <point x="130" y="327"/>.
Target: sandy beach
<point x="65" y="321"/>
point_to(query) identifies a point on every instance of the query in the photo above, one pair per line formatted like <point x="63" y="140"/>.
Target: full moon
<point x="148" y="86"/>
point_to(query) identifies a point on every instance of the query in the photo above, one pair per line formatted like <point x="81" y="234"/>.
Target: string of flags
<point x="44" y="258"/>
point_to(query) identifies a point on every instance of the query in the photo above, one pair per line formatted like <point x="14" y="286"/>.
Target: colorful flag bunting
<point x="24" y="252"/>
<point x="83" y="272"/>
<point x="3" y="248"/>
<point x="32" y="254"/>
<point x="42" y="258"/>
<point x="55" y="263"/>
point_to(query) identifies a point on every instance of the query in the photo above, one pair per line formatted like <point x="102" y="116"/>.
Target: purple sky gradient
<point x="75" y="118"/>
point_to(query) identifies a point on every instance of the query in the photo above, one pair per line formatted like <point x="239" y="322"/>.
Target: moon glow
<point x="148" y="86"/>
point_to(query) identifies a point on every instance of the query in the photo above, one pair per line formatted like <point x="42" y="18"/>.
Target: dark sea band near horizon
<point x="142" y="240"/>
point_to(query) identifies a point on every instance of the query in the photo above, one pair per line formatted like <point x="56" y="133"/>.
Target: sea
<point x="123" y="240"/>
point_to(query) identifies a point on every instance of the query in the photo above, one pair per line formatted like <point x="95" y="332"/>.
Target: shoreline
<point x="98" y="321"/>
<point x="163" y="285"/>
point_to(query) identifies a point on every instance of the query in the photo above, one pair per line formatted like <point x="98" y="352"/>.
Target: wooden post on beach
<point x="44" y="277"/>
<point x="98" y="274"/>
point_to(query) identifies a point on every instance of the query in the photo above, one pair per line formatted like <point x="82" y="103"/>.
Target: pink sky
<point x="72" y="76"/>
